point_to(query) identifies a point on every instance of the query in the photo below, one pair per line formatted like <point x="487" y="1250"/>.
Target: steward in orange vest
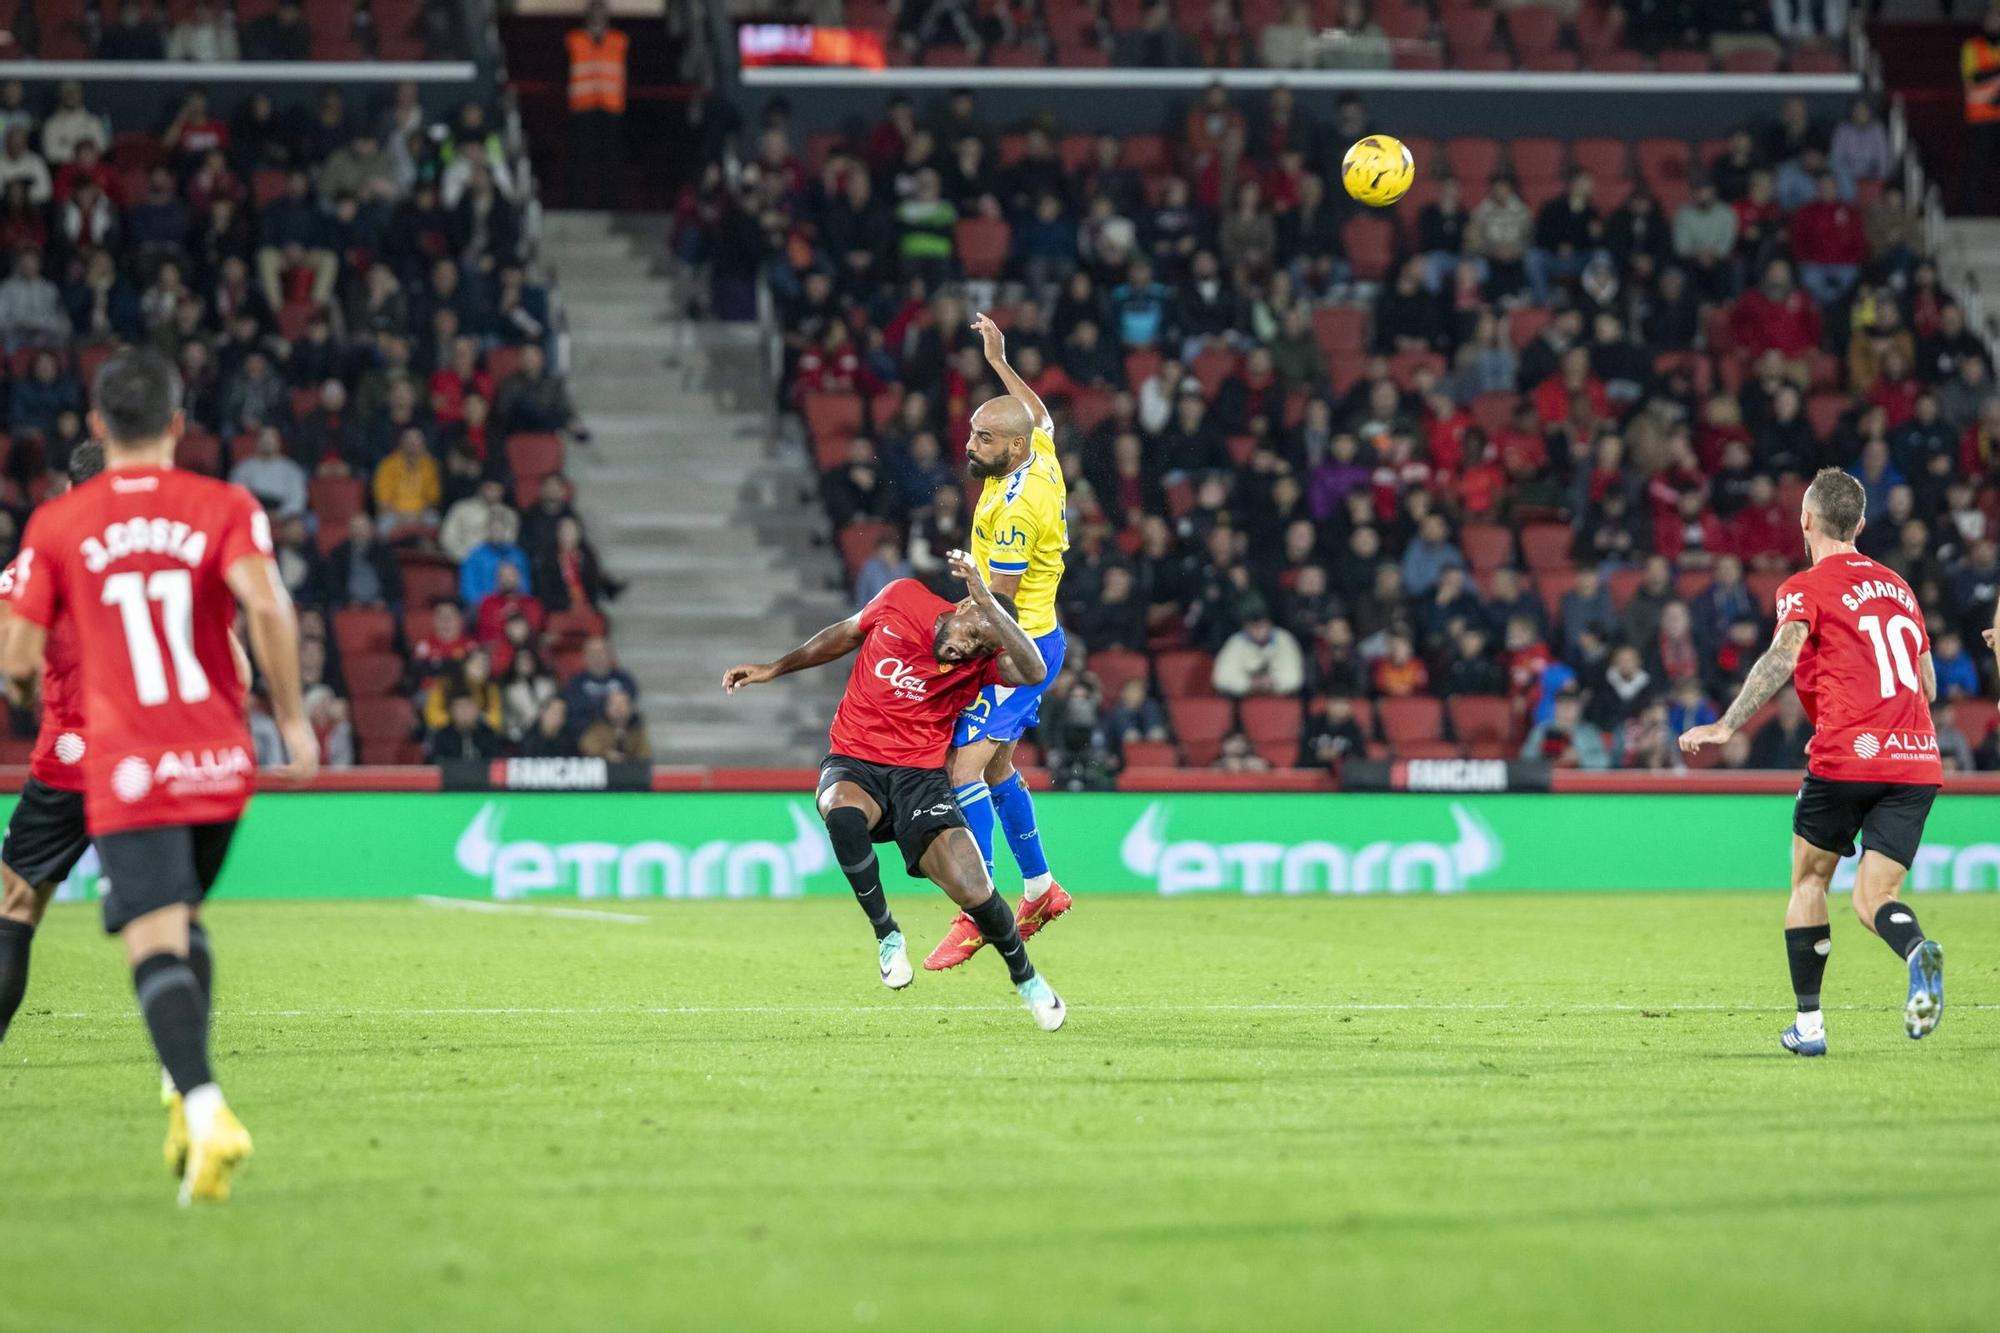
<point x="597" y="65"/>
<point x="597" y="80"/>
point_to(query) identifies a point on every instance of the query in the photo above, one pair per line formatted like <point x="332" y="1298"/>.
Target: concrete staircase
<point x="691" y="497"/>
<point x="1969" y="265"/>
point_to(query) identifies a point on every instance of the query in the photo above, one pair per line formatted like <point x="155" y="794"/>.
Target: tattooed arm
<point x="1772" y="673"/>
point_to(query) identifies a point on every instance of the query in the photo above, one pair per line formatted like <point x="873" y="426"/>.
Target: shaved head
<point x="999" y="442"/>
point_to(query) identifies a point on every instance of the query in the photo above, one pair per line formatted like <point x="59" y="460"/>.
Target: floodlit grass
<point x="1514" y="1112"/>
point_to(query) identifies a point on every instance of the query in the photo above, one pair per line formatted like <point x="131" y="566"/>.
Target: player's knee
<point x="20" y="900"/>
<point x="1000" y="767"/>
<point x="847" y="830"/>
<point x="967" y="764"/>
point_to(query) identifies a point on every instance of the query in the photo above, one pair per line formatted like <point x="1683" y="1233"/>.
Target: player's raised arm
<point x="274" y="638"/>
<point x="1020" y="660"/>
<point x="996" y="357"/>
<point x="1771" y="674"/>
<point x="829" y="645"/>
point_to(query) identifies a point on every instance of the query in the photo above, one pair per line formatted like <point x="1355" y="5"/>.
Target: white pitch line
<point x="713" y="1010"/>
<point x="532" y="909"/>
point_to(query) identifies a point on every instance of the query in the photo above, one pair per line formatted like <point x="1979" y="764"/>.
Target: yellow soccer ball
<point x="1378" y="170"/>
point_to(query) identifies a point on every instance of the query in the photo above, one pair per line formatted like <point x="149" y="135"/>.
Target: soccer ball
<point x="1378" y="170"/>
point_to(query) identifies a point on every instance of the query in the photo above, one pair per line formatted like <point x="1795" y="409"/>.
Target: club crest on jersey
<point x="901" y="678"/>
<point x="144" y="536"/>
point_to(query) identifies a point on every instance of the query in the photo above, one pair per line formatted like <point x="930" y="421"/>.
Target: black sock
<point x="996" y="926"/>
<point x="15" y="937"/>
<point x="1897" y="925"/>
<point x="202" y="963"/>
<point x="1806" y="948"/>
<point x="847" y="830"/>
<point x="177" y="1016"/>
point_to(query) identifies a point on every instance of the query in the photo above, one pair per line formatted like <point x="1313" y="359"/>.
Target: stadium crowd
<point x="345" y="289"/>
<point x="1510" y="469"/>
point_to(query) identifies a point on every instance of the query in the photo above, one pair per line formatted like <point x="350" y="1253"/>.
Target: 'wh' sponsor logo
<point x="513" y="868"/>
<point x="1191" y="866"/>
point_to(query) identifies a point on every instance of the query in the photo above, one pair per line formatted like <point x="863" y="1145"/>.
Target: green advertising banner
<point x="701" y="845"/>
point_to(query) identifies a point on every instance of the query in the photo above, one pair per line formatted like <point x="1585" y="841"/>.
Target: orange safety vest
<point x="1979" y="61"/>
<point x="597" y="71"/>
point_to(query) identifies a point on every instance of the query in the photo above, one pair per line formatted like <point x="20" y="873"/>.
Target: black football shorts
<point x="1889" y="816"/>
<point x="916" y="803"/>
<point x="151" y="868"/>
<point x="46" y="836"/>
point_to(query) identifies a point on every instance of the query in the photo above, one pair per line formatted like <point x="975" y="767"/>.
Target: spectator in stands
<point x="471" y="520"/>
<point x="509" y="599"/>
<point x="1260" y="657"/>
<point x="479" y="573"/>
<point x="1290" y="42"/>
<point x="534" y="399"/>
<point x="298" y="561"/>
<point x="205" y="34"/>
<point x="1428" y="555"/>
<point x="72" y="124"/>
<point x="1860" y="148"/>
<point x="1569" y="232"/>
<point x="599" y="675"/>
<point x="1957" y="673"/>
<point x="292" y="235"/>
<point x="550" y="737"/>
<point x="31" y="309"/>
<point x="1705" y="240"/>
<point x="1137" y="716"/>
<point x="407" y="486"/>
<point x="19" y="162"/>
<point x="467" y="737"/>
<point x="1829" y="243"/>
<point x="37" y="401"/>
<point x="526" y="691"/>
<point x="883" y="566"/>
<point x="281" y="34"/>
<point x="1566" y="740"/>
<point x="1498" y="233"/>
<point x="276" y="481"/>
<point x="1781" y="742"/>
<point x="361" y="571"/>
<point x="618" y="734"/>
<point x="470" y="677"/>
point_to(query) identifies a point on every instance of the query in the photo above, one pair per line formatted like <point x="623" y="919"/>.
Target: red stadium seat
<point x="1075" y="151"/>
<point x="1812" y="60"/>
<point x="982" y="246"/>
<point x="1553" y="62"/>
<point x="1414" y="719"/>
<point x="1370" y="243"/>
<point x="1600" y="32"/>
<point x="534" y="454"/>
<point x="1472" y="157"/>
<point x="1481" y="719"/>
<point x="1536" y="157"/>
<point x="334" y="501"/>
<point x="858" y="541"/>
<point x="1683" y="62"/>
<point x="302" y="401"/>
<point x="832" y="416"/>
<point x="1152" y="754"/>
<point x="1088" y="408"/>
<point x="1621" y="584"/>
<point x="1340" y="328"/>
<point x="427" y="578"/>
<point x="241" y="447"/>
<point x="1201" y="723"/>
<point x="1552" y="585"/>
<point x="1751" y="60"/>
<point x="1974" y="717"/>
<point x="1269" y="718"/>
<point x="1689" y="584"/>
<point x="90" y="358"/>
<point x="1533" y="31"/>
<point x="1146" y="154"/>
<point x="1663" y="160"/>
<point x="1525" y="323"/>
<point x="1141" y="364"/>
<point x="1603" y="158"/>
<point x="363" y="629"/>
<point x="198" y="451"/>
<point x="1616" y="62"/>
<point x="1493" y="410"/>
<point x="1546" y="546"/>
<point x="1469" y="31"/>
<point x="1215" y="364"/>
<point x="1419" y="749"/>
<point x="383" y="725"/>
<point x="503" y="360"/>
<point x="1183" y="672"/>
<point x="1824" y="410"/>
<point x="1763" y="585"/>
<point x="1487" y="546"/>
<point x="371" y="675"/>
<point x="1113" y="667"/>
<point x="576" y="624"/>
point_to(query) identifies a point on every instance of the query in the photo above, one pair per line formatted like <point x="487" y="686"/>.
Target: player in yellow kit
<point x="1019" y="534"/>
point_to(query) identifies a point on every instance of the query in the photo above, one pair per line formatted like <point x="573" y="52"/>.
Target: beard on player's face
<point x="958" y="637"/>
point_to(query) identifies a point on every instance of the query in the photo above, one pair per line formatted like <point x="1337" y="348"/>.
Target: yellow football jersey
<point x="1020" y="527"/>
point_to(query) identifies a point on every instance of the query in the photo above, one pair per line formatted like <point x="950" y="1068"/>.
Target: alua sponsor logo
<point x="183" y="771"/>
<point x="1896" y="745"/>
<point x="901" y="678"/>
<point x="1313" y="866"/>
<point x="721" y="868"/>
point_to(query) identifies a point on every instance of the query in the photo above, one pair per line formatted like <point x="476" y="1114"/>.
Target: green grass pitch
<point x="1524" y="1112"/>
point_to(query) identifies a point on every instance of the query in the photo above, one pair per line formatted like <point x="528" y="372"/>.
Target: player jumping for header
<point x="922" y="660"/>
<point x="1019" y="534"/>
<point x="1852" y="632"/>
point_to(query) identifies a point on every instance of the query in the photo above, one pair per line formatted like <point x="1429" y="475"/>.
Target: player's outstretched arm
<point x="1771" y="674"/>
<point x="996" y="356"/>
<point x="21" y="657"/>
<point x="274" y="638"/>
<point x="1020" y="661"/>
<point x="829" y="645"/>
<point x="1927" y="671"/>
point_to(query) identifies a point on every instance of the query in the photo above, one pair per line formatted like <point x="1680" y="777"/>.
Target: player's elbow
<point x="1033" y="671"/>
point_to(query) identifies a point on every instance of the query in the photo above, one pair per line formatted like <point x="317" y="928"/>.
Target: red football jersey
<point x="59" y="746"/>
<point x="133" y="562"/>
<point x="1858" y="676"/>
<point x="901" y="702"/>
